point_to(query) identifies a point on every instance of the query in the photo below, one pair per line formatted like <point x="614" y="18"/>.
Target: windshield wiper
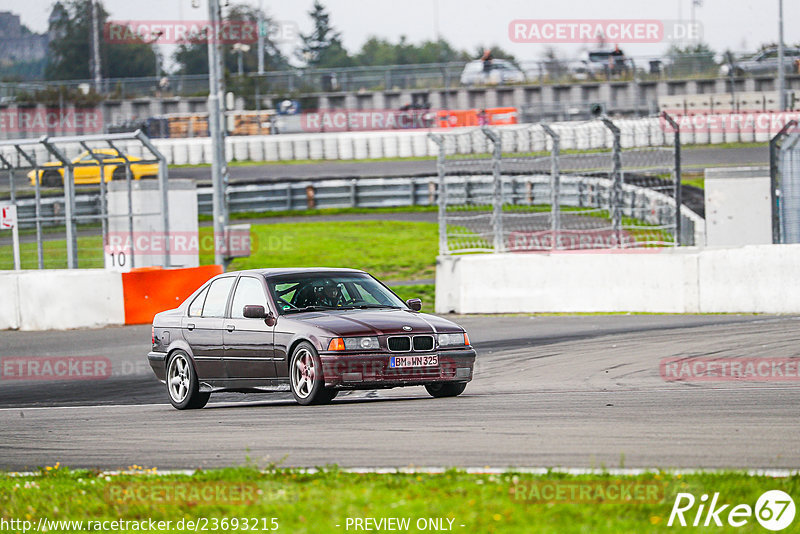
<point x="309" y="308"/>
<point x="368" y="306"/>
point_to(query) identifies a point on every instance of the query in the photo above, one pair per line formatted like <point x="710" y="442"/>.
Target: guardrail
<point x="389" y="192"/>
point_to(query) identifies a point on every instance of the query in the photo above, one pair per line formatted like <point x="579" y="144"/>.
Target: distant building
<point x="17" y="43"/>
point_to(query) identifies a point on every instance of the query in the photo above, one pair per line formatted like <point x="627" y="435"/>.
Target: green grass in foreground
<point x="316" y="503"/>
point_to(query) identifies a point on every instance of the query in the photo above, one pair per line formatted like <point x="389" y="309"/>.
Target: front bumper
<point x="358" y="371"/>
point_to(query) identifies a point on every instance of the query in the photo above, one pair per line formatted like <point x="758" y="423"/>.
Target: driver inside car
<point x="329" y="295"/>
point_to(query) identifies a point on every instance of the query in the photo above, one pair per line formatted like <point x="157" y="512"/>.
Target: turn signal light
<point x="466" y="339"/>
<point x="336" y="343"/>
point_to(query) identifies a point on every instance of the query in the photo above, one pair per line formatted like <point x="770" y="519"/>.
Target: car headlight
<point x="361" y="343"/>
<point x="451" y="340"/>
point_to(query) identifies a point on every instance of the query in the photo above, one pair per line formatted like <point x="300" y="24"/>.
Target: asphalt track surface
<point x="549" y="391"/>
<point x="693" y="159"/>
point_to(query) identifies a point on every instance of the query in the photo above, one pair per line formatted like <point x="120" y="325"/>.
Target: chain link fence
<point x="541" y="187"/>
<point x="57" y="231"/>
<point x="785" y="178"/>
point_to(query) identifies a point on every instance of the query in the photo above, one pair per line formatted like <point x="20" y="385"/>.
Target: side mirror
<point x="255" y="312"/>
<point x="259" y="312"/>
<point x="414" y="304"/>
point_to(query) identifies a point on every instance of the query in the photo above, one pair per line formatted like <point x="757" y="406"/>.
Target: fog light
<point x="463" y="372"/>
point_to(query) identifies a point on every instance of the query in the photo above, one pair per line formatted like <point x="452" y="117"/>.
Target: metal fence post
<point x="774" y="172"/>
<point x="616" y="177"/>
<point x="442" y="193"/>
<point x="129" y="184"/>
<point x="677" y="178"/>
<point x="555" y="185"/>
<point x="69" y="203"/>
<point x="497" y="189"/>
<point x="31" y="159"/>
<point x="163" y="187"/>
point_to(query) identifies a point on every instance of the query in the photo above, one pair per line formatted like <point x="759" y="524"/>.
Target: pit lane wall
<point x="749" y="279"/>
<point x="90" y="298"/>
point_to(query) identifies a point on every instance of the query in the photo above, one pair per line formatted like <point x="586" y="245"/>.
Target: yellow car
<point x="52" y="173"/>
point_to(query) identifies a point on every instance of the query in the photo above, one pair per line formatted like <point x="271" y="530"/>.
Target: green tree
<point x="323" y="47"/>
<point x="377" y="51"/>
<point x="70" y="49"/>
<point x="192" y="57"/>
<point x="692" y="59"/>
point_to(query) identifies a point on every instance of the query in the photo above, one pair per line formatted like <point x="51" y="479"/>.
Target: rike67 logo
<point x="774" y="511"/>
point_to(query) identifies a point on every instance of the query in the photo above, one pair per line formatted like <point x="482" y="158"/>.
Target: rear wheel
<point x="51" y="179"/>
<point x="306" y="377"/>
<point x="118" y="174"/>
<point x="182" y="385"/>
<point x="450" y="389"/>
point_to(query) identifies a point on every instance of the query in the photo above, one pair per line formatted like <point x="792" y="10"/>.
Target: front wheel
<point x="306" y="377"/>
<point x="182" y="385"/>
<point x="51" y="179"/>
<point x="451" y="389"/>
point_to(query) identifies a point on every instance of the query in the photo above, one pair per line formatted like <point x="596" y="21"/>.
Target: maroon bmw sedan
<point x="311" y="331"/>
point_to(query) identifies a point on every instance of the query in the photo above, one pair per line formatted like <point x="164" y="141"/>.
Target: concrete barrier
<point x="61" y="299"/>
<point x="90" y="298"/>
<point x="757" y="279"/>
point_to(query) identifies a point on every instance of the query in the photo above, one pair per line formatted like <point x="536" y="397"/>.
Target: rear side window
<point x="196" y="307"/>
<point x="217" y="298"/>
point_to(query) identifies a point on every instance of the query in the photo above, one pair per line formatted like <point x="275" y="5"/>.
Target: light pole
<point x="96" y="46"/>
<point x="219" y="169"/>
<point x="781" y="71"/>
<point x="241" y="49"/>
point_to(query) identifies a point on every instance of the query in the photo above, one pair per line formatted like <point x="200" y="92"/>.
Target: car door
<point x="249" y="343"/>
<point x="85" y="173"/>
<point x="202" y="327"/>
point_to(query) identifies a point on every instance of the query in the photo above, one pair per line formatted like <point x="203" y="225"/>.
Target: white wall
<point x="738" y="206"/>
<point x="759" y="278"/>
<point x="61" y="299"/>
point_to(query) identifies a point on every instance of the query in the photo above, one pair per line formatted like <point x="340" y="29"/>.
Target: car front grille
<point x="423" y="342"/>
<point x="399" y="344"/>
<point x="405" y="343"/>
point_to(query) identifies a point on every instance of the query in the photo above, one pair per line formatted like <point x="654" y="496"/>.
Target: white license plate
<point x="413" y="361"/>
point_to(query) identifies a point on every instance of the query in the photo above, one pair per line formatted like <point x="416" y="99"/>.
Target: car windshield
<point x="323" y="291"/>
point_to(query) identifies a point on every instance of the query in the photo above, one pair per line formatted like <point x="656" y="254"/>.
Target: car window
<point x="217" y="297"/>
<point x="249" y="291"/>
<point x="196" y="307"/>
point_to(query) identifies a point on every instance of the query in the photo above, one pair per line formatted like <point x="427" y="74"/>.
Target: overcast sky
<point x="727" y="24"/>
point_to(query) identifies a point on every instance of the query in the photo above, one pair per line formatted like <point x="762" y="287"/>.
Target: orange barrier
<point x="456" y="118"/>
<point x="150" y="290"/>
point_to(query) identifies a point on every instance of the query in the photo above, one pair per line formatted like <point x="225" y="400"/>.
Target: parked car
<point x="600" y="64"/>
<point x="764" y="62"/>
<point x="313" y="332"/>
<point x="87" y="169"/>
<point x="500" y="72"/>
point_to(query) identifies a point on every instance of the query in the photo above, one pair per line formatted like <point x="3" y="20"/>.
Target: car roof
<point x="295" y="270"/>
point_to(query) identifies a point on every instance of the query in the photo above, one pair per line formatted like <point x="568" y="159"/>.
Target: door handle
<point x="190" y="326"/>
<point x="230" y="328"/>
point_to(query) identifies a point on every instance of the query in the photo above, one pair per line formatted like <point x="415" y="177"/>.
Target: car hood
<point x="376" y="322"/>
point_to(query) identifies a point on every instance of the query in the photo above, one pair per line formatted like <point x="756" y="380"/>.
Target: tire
<point x="305" y="377"/>
<point x="119" y="174"/>
<point x="51" y="179"/>
<point x="183" y="388"/>
<point x="450" y="389"/>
